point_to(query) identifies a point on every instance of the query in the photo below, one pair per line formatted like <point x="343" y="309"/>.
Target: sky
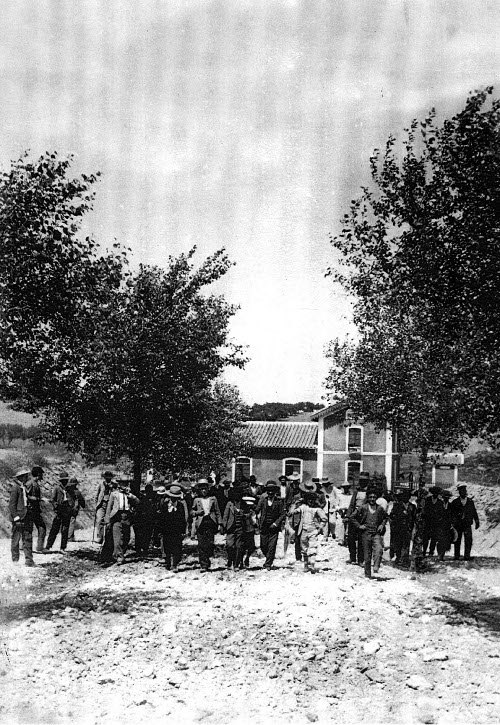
<point x="243" y="124"/>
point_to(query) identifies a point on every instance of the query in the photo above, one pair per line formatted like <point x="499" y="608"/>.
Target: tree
<point x="422" y="262"/>
<point x="150" y="381"/>
<point x="55" y="288"/>
<point x="111" y="361"/>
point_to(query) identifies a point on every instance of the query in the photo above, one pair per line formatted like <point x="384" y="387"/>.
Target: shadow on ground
<point x="484" y="613"/>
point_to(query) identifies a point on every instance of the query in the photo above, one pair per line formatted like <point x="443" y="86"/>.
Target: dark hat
<point x="446" y="493"/>
<point x="364" y="475"/>
<point x="108" y="474"/>
<point x="435" y="490"/>
<point x="325" y="481"/>
<point x="174" y="492"/>
<point x="36" y="471"/>
<point x="271" y="486"/>
<point x="73" y="482"/>
<point x="282" y="478"/>
<point x="63" y="476"/>
<point x="308" y="487"/>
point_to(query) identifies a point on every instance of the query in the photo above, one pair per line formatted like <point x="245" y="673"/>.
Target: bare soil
<point x="139" y="644"/>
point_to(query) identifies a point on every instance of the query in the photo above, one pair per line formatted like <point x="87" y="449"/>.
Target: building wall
<point x="267" y="464"/>
<point x="373" y="440"/>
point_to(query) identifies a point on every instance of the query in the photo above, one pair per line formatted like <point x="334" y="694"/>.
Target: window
<point x="242" y="468"/>
<point x="352" y="471"/>
<point x="292" y="465"/>
<point x="354" y="439"/>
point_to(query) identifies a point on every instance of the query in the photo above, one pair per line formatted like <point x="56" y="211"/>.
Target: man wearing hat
<point x="145" y="519"/>
<point x="34" y="494"/>
<point x="432" y="513"/>
<point x="402" y="519"/>
<point x="118" y="520"/>
<point x="370" y="520"/>
<point x="464" y="514"/>
<point x="173" y="522"/>
<point x="271" y="514"/>
<point x="22" y="523"/>
<point x="354" y="538"/>
<point x="342" y="498"/>
<point x="445" y="532"/>
<point x="76" y="502"/>
<point x="62" y="509"/>
<point x="101" y="503"/>
<point x="206" y="521"/>
<point x="233" y="526"/>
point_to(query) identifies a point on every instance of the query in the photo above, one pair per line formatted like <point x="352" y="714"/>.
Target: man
<point x="146" y="516"/>
<point x="402" y="519"/>
<point x="207" y="520"/>
<point x="76" y="502"/>
<point x="444" y="528"/>
<point x="173" y="523"/>
<point x="118" y="519"/>
<point x="101" y="503"/>
<point x="432" y="513"/>
<point x="464" y="514"/>
<point x="22" y="523"/>
<point x="327" y="492"/>
<point x="62" y="510"/>
<point x="34" y="493"/>
<point x="354" y="540"/>
<point x="342" y="498"/>
<point x="271" y="513"/>
<point x="370" y="521"/>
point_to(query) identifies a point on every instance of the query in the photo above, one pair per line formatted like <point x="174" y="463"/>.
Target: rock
<point x="375" y="676"/>
<point x="437" y="656"/>
<point x="311" y="716"/>
<point x="273" y="674"/>
<point x="417" y="682"/>
<point x="309" y="655"/>
<point x="371" y="647"/>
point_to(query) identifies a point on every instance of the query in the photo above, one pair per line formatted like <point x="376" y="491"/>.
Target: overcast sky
<point x="246" y="124"/>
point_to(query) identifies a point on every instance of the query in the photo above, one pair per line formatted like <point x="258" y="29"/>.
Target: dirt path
<point x="139" y="644"/>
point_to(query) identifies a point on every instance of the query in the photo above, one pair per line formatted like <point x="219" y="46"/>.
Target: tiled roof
<point x="334" y="408"/>
<point x="281" y="434"/>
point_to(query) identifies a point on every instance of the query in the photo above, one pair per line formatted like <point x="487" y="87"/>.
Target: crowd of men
<point x="162" y="515"/>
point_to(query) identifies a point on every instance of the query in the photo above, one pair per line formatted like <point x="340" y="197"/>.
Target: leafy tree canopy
<point x="420" y="254"/>
<point x="277" y="411"/>
<point x="115" y="362"/>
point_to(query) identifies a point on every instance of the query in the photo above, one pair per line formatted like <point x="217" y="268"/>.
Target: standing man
<point x="342" y="501"/>
<point x="432" y="513"/>
<point x="444" y="526"/>
<point x="271" y="513"/>
<point x="402" y="519"/>
<point x="62" y="510"/>
<point x="101" y="503"/>
<point x="118" y="520"/>
<point x="22" y="523"/>
<point x="34" y="493"/>
<point x="206" y="521"/>
<point x="464" y="514"/>
<point x="370" y="520"/>
<point x="76" y="502"/>
<point x="354" y="538"/>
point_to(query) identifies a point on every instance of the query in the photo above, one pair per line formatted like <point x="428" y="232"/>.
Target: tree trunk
<point x="136" y="483"/>
<point x="423" y="464"/>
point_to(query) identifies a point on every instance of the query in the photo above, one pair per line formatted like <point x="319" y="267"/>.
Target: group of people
<point x="26" y="512"/>
<point x="420" y="521"/>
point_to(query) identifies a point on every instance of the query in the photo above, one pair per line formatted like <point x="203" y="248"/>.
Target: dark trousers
<point x="429" y="541"/>
<point x="61" y="521"/>
<point x="296" y="544"/>
<point x="205" y="536"/>
<point x="172" y="548"/>
<point x="268" y="544"/>
<point x="355" y="543"/>
<point x="467" y="534"/>
<point x="400" y="543"/>
<point x="248" y="547"/>
<point x="41" y="529"/>
<point x="22" y="530"/>
<point x="143" y="536"/>
<point x="373" y="545"/>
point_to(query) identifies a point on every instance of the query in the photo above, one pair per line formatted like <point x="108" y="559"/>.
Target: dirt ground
<point x="139" y="644"/>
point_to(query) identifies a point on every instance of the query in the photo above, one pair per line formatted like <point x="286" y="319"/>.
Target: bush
<point x="10" y="464"/>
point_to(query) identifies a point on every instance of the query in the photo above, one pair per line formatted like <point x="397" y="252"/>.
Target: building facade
<point x="332" y="444"/>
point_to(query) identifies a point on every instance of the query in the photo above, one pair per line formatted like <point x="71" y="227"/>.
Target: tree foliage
<point x="277" y="411"/>
<point x="421" y="258"/>
<point x="115" y="362"/>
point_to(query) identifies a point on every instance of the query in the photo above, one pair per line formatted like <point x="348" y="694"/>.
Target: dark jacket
<point x="34" y="494"/>
<point x="278" y="511"/>
<point x="432" y="512"/>
<point x="102" y="496"/>
<point x="359" y="517"/>
<point x="358" y="498"/>
<point x="403" y="520"/>
<point x="229" y="518"/>
<point x="172" y="523"/>
<point x="17" y="506"/>
<point x="60" y="500"/>
<point x="75" y="499"/>
<point x="463" y="516"/>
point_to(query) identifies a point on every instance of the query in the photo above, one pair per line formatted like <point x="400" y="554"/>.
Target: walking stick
<point x="93" y="530"/>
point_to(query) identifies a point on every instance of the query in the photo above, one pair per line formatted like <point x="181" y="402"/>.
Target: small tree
<point x="422" y="263"/>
